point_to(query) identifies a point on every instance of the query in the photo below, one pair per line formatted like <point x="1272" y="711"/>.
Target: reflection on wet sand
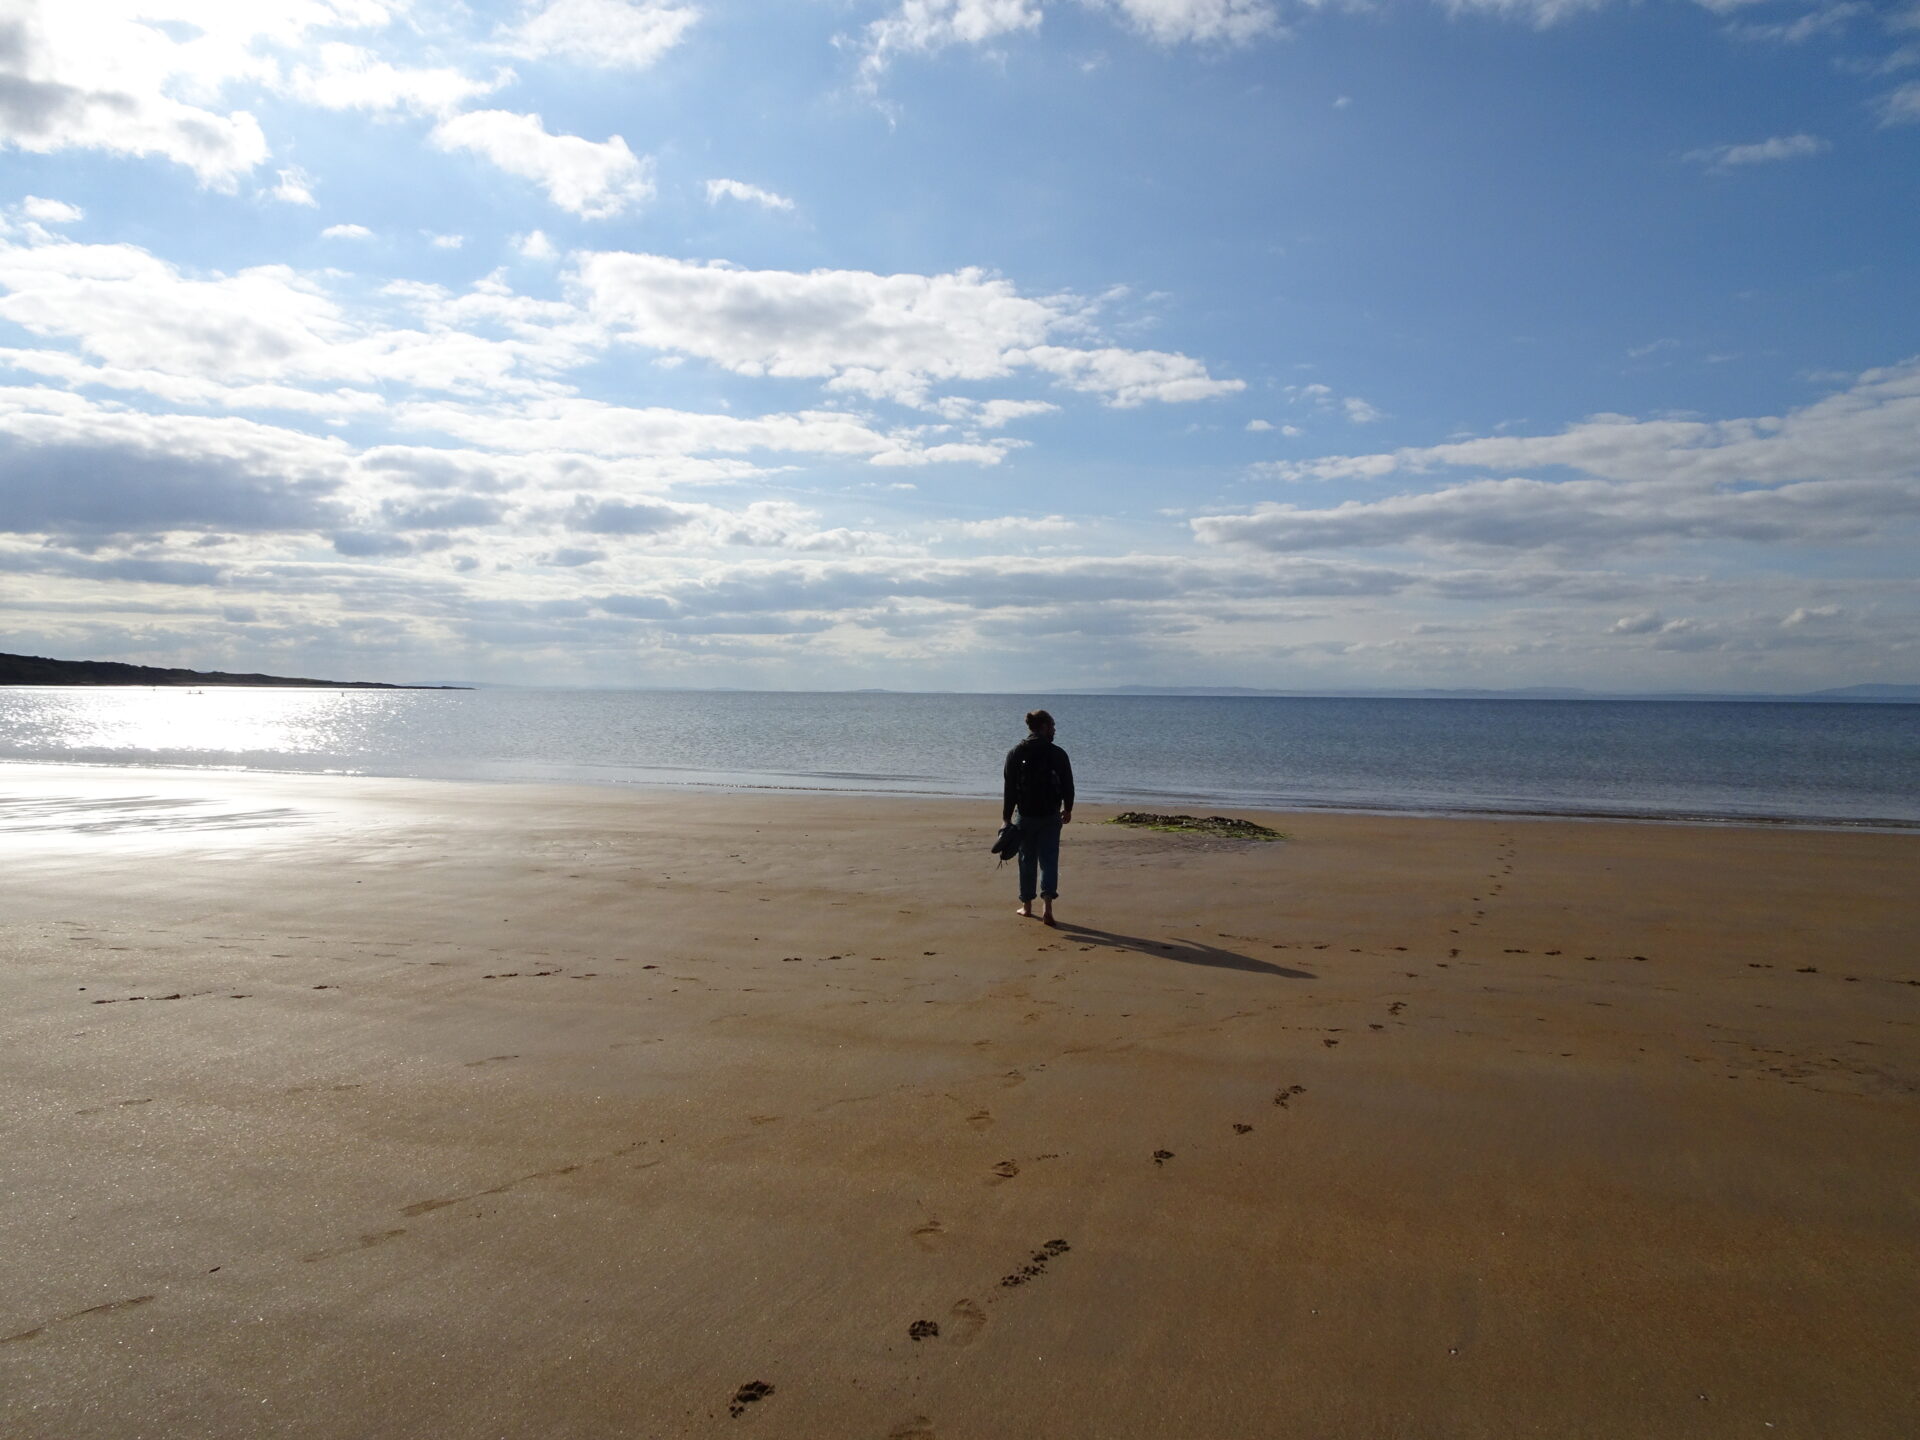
<point x="107" y="815"/>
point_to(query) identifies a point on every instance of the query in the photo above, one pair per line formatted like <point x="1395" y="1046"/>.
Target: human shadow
<point x="1187" y="952"/>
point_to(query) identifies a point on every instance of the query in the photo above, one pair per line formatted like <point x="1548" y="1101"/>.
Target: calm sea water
<point x="1844" y="764"/>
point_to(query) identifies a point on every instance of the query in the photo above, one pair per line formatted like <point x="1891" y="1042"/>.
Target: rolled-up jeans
<point x="1039" y="857"/>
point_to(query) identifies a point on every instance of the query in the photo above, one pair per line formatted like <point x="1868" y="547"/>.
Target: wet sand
<point x="369" y="1108"/>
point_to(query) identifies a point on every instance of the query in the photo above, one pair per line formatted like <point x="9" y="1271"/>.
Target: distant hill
<point x="39" y="670"/>
<point x="1908" y="693"/>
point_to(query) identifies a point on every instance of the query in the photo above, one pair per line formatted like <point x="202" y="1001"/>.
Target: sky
<point x="965" y="344"/>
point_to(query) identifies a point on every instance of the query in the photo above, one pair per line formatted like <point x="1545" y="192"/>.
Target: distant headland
<point x="39" y="670"/>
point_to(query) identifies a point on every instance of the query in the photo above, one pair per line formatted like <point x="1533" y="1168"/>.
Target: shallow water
<point x="1797" y="763"/>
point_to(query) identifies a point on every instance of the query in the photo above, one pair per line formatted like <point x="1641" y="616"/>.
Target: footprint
<point x="930" y="1235"/>
<point x="967" y="1321"/>
<point x="365" y="1242"/>
<point x="490" y="1060"/>
<point x="1283" y="1095"/>
<point x="105" y="1309"/>
<point x="1242" y="1129"/>
<point x="1036" y="1265"/>
<point x="117" y="1104"/>
<point x="918" y="1428"/>
<point x="1006" y="1170"/>
<point x="751" y="1393"/>
<point x="923" y="1330"/>
<point x="980" y="1119"/>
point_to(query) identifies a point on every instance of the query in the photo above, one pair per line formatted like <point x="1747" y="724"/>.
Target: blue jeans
<point x="1039" y="852"/>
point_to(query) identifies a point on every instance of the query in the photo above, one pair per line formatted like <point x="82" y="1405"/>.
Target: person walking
<point x="1038" y="782"/>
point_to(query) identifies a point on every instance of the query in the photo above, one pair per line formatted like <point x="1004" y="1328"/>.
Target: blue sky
<point x="967" y="344"/>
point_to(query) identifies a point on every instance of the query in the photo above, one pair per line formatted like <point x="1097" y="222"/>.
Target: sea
<point x="1742" y="762"/>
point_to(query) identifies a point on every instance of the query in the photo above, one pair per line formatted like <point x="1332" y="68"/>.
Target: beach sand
<point x="367" y="1108"/>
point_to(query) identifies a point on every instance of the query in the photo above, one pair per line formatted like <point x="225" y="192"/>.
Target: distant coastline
<point x="1843" y="695"/>
<point x="41" y="670"/>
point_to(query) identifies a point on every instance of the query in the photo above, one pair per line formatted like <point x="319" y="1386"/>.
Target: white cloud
<point x="446" y="242"/>
<point x="1761" y="152"/>
<point x="1901" y="106"/>
<point x="201" y="340"/>
<point x="1539" y="13"/>
<point x="1321" y="398"/>
<point x="348" y="77"/>
<point x="78" y="75"/>
<point x="1841" y="471"/>
<point x="1127" y="378"/>
<point x="718" y="190"/>
<point x="72" y="370"/>
<point x="888" y="335"/>
<point x="609" y="34"/>
<point x="80" y="468"/>
<point x="1828" y="18"/>
<point x="1173" y="22"/>
<point x="1259" y="426"/>
<point x="927" y="25"/>
<point x="293" y="186"/>
<point x="616" y="431"/>
<point x="1649" y="622"/>
<point x="594" y="180"/>
<point x="534" y="245"/>
<point x="989" y="414"/>
<point x="346" y="232"/>
<point x="924" y="26"/>
<point x="890" y="332"/>
<point x="50" y="212"/>
<point x="1013" y="527"/>
<point x="992" y="414"/>
<point x="907" y="451"/>
<point x="147" y="78"/>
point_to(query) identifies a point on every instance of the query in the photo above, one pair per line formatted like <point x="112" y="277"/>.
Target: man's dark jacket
<point x="1037" y="781"/>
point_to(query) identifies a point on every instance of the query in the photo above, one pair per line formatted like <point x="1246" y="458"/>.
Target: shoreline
<point x="1703" y="819"/>
<point x="385" y="1106"/>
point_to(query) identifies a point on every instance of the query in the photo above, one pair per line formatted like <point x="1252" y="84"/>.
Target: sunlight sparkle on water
<point x="210" y="721"/>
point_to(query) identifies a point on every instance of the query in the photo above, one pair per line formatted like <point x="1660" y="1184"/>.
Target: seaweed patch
<point x="1216" y="825"/>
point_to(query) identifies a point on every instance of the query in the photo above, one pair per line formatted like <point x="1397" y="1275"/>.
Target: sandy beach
<point x="366" y="1108"/>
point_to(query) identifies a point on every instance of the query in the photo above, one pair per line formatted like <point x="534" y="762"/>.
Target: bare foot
<point x="1046" y="916"/>
<point x="1025" y="912"/>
